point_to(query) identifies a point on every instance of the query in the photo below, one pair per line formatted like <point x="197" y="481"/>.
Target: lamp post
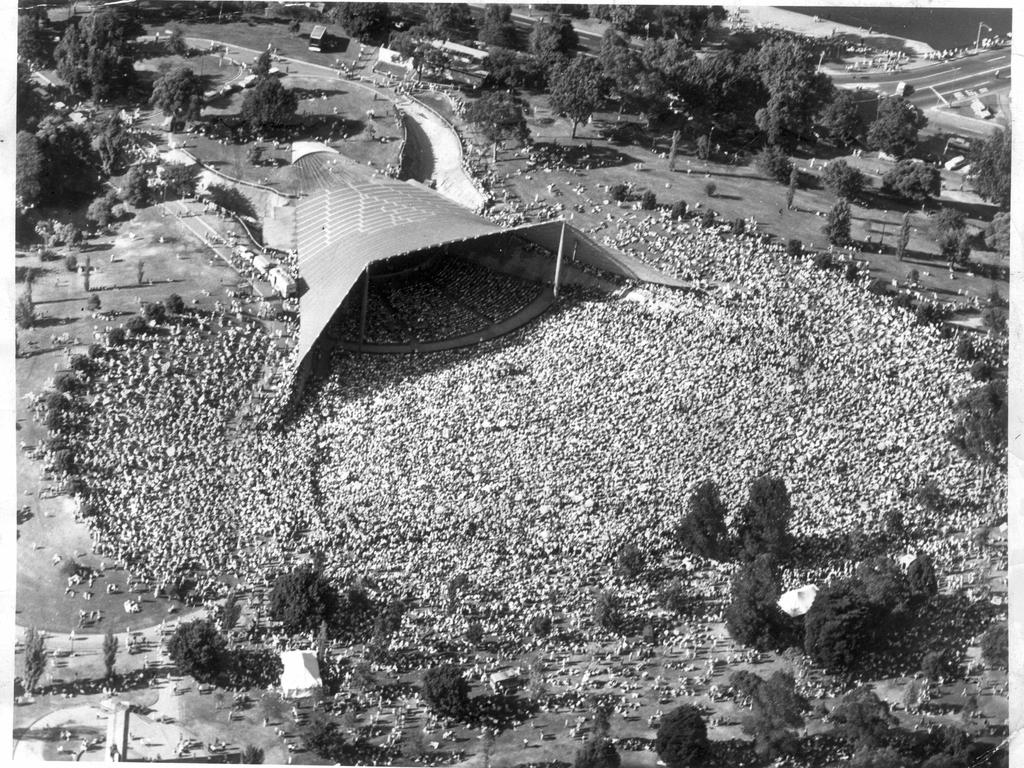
<point x="977" y="40"/>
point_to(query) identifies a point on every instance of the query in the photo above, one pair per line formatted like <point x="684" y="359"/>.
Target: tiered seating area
<point x="447" y="299"/>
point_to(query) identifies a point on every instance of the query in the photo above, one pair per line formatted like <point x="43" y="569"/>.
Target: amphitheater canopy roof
<point x="341" y="231"/>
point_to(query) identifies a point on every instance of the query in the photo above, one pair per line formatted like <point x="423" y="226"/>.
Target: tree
<point x="597" y="752"/>
<point x="261" y="67"/>
<point x="980" y="429"/>
<point x="682" y="740"/>
<point x="776" y="708"/>
<point x="70" y="165"/>
<point x="703" y="530"/>
<point x="998" y="234"/>
<point x="198" y="649"/>
<point x="753" y="616"/>
<point x="302" y="599"/>
<point x="140" y="273"/>
<point x="446" y="691"/>
<point x="497" y="27"/>
<point x="912" y="181"/>
<point x="609" y="611"/>
<point x="35" y="39"/>
<point x="796" y="91"/>
<point x="178" y="179"/>
<point x="840" y="119"/>
<point x="95" y="54"/>
<point x="24" y="312"/>
<point x="630" y="560"/>
<point x="882" y="583"/>
<point x="101" y="210"/>
<point x="499" y="117"/>
<point x="175" y="305"/>
<point x="773" y="162"/>
<point x="576" y="89"/>
<point x="863" y="719"/>
<point x="921" y="577"/>
<point x="109" y="652"/>
<point x="231" y="199"/>
<point x="268" y="105"/>
<point x="110" y="139"/>
<point x="34" y="658"/>
<point x="449" y="20"/>
<point x="362" y="19"/>
<point x="995" y="650"/>
<point x="903" y="237"/>
<point x="838" y="627"/>
<point x="251" y="755"/>
<point x="324" y="739"/>
<point x="93" y="302"/>
<point x="842" y="180"/>
<point x="513" y="69"/>
<point x="894" y="129"/>
<point x="763" y="521"/>
<point x="179" y="94"/>
<point x="137" y="186"/>
<point x="115" y="337"/>
<point x="551" y="40"/>
<point x="28" y="170"/>
<point x="952" y="237"/>
<point x="837" y="223"/>
<point x="991" y="163"/>
<point x="794" y="178"/>
<point x="176" y="42"/>
<point x="230" y="610"/>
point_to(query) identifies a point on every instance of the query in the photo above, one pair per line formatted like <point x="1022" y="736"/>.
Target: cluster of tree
<point x="912" y="181"/>
<point x="303" y="600"/>
<point x="95" y="56"/>
<point x="776" y="709"/>
<point x="761" y="523"/>
<point x="895" y="127"/>
<point x="178" y="94"/>
<point x="56" y="163"/>
<point x="268" y="104"/>
<point x="36" y="38"/>
<point x="981" y="426"/>
<point x="991" y="168"/>
<point x="446" y="691"/>
<point x="688" y="23"/>
<point x="498" y="115"/>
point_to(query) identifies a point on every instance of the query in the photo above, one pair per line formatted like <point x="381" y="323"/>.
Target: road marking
<point x="965" y="77"/>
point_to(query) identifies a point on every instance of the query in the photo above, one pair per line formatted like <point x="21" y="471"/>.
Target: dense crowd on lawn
<point x="525" y="463"/>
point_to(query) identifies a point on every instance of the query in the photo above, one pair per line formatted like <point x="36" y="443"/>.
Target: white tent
<point x="301" y="675"/>
<point x="797" y="602"/>
<point x="906" y="560"/>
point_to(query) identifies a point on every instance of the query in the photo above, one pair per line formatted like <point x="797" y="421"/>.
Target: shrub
<point x="597" y="752"/>
<point x="674" y="596"/>
<point x="618" y="192"/>
<point x="446" y="691"/>
<point x="739" y="225"/>
<point x="93" y="302"/>
<point x="774" y="163"/>
<point x="608" y="611"/>
<point x="24" y="312"/>
<point x="707" y="218"/>
<point x="679" y="209"/>
<point x="540" y="625"/>
<point x="995" y="646"/>
<point x="630" y="560"/>
<point x="794" y="247"/>
<point x="154" y="310"/>
<point x="95" y="351"/>
<point x="851" y="272"/>
<point x="682" y="739"/>
<point x="71" y="262"/>
<point x="66" y="382"/>
<point x="474" y="633"/>
<point x="710" y="188"/>
<point x="648" y="201"/>
<point x="115" y="337"/>
<point x="136" y="324"/>
<point x="174" y="304"/>
<point x="981" y="371"/>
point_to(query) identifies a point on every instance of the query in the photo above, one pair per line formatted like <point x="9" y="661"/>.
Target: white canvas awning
<point x="301" y="675"/>
<point x="797" y="602"/>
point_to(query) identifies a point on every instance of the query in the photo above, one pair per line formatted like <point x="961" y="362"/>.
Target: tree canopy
<point x="498" y="116"/>
<point x="763" y="521"/>
<point x="95" y="54"/>
<point x="796" y="91"/>
<point x="842" y="180"/>
<point x="597" y="752"/>
<point x="576" y="89"/>
<point x="179" y="93"/>
<point x="35" y="38"/>
<point x="837" y="223"/>
<point x="840" y="118"/>
<point x="753" y="616"/>
<point x="446" y="691"/>
<point x="702" y="531"/>
<point x="980" y="430"/>
<point x="682" y="739"/>
<point x="839" y="626"/>
<point x="70" y="164"/>
<point x="28" y="170"/>
<point x="362" y="19"/>
<point x="912" y="181"/>
<point x="894" y="129"/>
<point x="863" y="719"/>
<point x="303" y="598"/>
<point x="552" y="40"/>
<point x="269" y="105"/>
<point x="198" y="649"/>
<point x="776" y="708"/>
<point x="497" y="27"/>
<point x="991" y="161"/>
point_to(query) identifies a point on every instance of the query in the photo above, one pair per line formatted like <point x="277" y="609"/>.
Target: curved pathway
<point x="445" y="146"/>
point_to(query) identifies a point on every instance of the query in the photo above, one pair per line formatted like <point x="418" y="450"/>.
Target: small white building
<point x="262" y="264"/>
<point x="300" y="677"/>
<point x="797" y="602"/>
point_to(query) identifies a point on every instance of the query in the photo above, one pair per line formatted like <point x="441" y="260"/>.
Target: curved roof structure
<point x="301" y="149"/>
<point x="341" y="231"/>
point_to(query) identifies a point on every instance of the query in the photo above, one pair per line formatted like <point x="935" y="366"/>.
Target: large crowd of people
<point x="526" y="462"/>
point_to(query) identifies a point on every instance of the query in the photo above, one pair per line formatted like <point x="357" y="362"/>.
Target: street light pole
<point x="977" y="40"/>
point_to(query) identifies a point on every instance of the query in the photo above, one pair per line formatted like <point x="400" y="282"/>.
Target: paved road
<point x="940" y="84"/>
